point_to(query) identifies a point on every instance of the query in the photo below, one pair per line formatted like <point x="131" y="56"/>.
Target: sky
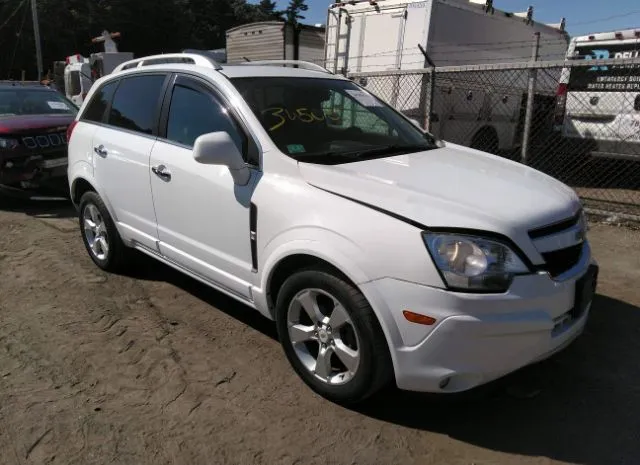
<point x="583" y="16"/>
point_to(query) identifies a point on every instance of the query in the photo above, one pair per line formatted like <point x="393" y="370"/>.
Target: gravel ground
<point x="154" y="368"/>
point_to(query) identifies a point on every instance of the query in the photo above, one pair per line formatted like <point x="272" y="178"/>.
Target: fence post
<point x="531" y="89"/>
<point x="432" y="93"/>
<point x="427" y="113"/>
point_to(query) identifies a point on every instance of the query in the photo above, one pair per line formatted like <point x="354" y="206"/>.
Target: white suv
<point x="380" y="252"/>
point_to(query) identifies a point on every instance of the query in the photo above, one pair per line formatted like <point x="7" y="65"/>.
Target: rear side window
<point x="135" y="103"/>
<point x="98" y="106"/>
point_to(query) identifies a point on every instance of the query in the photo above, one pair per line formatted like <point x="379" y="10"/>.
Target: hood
<point x="16" y="124"/>
<point x="454" y="187"/>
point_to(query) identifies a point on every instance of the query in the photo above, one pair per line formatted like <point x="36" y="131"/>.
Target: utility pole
<point x="36" y="34"/>
<point x="531" y="90"/>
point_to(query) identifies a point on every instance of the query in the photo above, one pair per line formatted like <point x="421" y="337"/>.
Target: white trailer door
<point x="380" y="42"/>
<point x="365" y="40"/>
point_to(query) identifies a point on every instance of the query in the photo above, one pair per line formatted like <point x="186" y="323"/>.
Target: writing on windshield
<point x="327" y="120"/>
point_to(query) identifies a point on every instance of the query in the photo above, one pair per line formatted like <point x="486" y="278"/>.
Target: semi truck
<point x="601" y="104"/>
<point x="481" y="109"/>
<point x="80" y="72"/>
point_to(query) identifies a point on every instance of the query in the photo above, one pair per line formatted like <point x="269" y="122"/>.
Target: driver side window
<point x="193" y="113"/>
<point x="346" y="112"/>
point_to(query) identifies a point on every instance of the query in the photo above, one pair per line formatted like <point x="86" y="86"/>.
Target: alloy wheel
<point x="323" y="336"/>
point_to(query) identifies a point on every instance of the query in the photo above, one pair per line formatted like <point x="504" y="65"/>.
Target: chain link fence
<point x="578" y="121"/>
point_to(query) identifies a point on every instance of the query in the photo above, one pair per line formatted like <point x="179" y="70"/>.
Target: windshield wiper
<point x="383" y="150"/>
<point x="338" y="157"/>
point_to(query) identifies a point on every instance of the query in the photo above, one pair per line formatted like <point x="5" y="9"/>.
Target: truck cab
<point x="77" y="78"/>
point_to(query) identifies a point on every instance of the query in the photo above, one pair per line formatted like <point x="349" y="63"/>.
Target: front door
<point x="203" y="217"/>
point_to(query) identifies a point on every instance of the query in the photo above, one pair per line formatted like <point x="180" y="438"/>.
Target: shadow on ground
<point x="149" y="269"/>
<point x="587" y="409"/>
<point x="40" y="206"/>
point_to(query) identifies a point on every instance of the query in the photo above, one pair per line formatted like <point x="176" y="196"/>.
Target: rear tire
<point x="100" y="235"/>
<point x="331" y="337"/>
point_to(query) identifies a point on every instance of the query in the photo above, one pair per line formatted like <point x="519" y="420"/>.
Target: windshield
<point x="329" y="121"/>
<point x="19" y="101"/>
<point x="605" y="78"/>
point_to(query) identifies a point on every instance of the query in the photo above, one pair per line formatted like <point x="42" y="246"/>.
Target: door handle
<point x="100" y="150"/>
<point x="162" y="172"/>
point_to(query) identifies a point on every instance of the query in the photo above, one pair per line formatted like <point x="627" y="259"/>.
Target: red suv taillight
<point x="561" y="104"/>
<point x="70" y="130"/>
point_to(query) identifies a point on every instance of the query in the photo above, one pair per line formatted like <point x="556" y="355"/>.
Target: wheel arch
<point x="289" y="263"/>
<point x="293" y="263"/>
<point x="78" y="188"/>
<point x="82" y="183"/>
<point x="486" y="132"/>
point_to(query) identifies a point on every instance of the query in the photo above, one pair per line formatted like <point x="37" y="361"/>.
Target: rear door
<point x="122" y="149"/>
<point x="600" y="99"/>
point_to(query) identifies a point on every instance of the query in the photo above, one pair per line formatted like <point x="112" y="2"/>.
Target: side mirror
<point x="217" y="148"/>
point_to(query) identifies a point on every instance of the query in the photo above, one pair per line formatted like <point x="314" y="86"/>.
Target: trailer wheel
<point x="486" y="140"/>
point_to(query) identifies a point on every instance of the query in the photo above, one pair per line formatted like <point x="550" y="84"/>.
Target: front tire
<point x="331" y="337"/>
<point x="100" y="235"/>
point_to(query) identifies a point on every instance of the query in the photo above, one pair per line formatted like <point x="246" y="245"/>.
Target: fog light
<point x="445" y="382"/>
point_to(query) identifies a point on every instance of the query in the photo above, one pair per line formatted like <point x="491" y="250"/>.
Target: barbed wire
<point x="465" y="45"/>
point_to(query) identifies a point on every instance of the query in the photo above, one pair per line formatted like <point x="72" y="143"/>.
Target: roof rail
<point x="298" y="63"/>
<point x="198" y="59"/>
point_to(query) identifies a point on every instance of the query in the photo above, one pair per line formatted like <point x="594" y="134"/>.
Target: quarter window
<point x="193" y="113"/>
<point x="98" y="106"/>
<point x="135" y="104"/>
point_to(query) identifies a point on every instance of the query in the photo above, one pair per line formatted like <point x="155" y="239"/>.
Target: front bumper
<point x="478" y="338"/>
<point x="27" y="171"/>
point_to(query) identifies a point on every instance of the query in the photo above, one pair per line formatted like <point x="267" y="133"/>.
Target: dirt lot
<point x="153" y="368"/>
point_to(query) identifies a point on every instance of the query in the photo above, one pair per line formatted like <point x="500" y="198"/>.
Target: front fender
<point x="327" y="245"/>
<point x="336" y="250"/>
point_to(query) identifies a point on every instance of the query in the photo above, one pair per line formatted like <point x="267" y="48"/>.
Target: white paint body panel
<point x="364" y="218"/>
<point x="124" y="176"/>
<point x="200" y="216"/>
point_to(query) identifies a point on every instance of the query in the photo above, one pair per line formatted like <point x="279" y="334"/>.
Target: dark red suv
<point x="33" y="141"/>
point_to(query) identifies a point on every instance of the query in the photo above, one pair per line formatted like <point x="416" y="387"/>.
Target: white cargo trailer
<point x="275" y="40"/>
<point x="484" y="111"/>
<point x="383" y="35"/>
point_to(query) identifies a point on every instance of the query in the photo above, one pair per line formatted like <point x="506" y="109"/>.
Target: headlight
<point x="8" y="144"/>
<point x="470" y="263"/>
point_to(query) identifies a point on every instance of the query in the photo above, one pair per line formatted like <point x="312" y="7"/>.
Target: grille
<point x="556" y="227"/>
<point x="45" y="141"/>
<point x="560" y="261"/>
